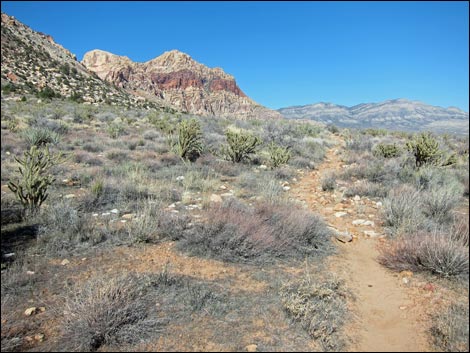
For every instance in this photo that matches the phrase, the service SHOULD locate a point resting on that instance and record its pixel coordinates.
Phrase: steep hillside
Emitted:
(32, 62)
(397, 114)
(177, 79)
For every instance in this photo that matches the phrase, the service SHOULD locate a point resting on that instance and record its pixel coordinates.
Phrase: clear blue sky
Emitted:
(284, 53)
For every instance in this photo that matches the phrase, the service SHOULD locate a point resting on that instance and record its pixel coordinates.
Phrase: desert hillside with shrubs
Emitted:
(140, 229)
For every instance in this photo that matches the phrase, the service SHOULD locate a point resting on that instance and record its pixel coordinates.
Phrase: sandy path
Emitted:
(386, 319)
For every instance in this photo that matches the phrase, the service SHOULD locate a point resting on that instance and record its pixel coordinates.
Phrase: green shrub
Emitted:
(278, 155)
(189, 143)
(240, 146)
(387, 151)
(425, 149)
(31, 189)
(328, 183)
(47, 93)
(115, 130)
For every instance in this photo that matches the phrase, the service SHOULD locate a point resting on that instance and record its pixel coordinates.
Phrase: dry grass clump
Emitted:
(320, 306)
(450, 329)
(109, 311)
(236, 232)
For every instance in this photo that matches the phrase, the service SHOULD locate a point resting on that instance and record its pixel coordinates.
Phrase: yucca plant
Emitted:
(31, 188)
(425, 149)
(278, 155)
(40, 137)
(189, 143)
(240, 145)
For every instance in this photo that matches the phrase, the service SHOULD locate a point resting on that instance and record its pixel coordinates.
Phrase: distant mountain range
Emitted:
(32, 62)
(396, 114)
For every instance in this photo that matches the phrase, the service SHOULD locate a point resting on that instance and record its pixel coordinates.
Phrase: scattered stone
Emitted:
(403, 307)
(340, 214)
(406, 274)
(11, 254)
(371, 233)
(429, 287)
(227, 194)
(65, 262)
(115, 211)
(28, 339)
(42, 309)
(39, 337)
(357, 222)
(405, 280)
(31, 311)
(223, 187)
(368, 223)
(69, 196)
(215, 198)
(95, 214)
(131, 215)
(251, 348)
(180, 178)
(172, 206)
(262, 166)
(378, 204)
(338, 207)
(344, 237)
(357, 198)
(123, 221)
(30, 273)
(175, 211)
(286, 188)
(105, 214)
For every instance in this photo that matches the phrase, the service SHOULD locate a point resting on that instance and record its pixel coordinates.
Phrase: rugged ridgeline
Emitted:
(175, 78)
(397, 114)
(33, 62)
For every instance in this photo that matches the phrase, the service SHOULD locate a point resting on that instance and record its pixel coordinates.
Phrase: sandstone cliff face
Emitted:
(177, 79)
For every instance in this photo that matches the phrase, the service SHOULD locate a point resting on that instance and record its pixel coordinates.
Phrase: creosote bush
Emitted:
(386, 150)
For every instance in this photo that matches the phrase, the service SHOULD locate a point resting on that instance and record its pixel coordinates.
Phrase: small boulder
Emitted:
(340, 214)
(65, 262)
(31, 311)
(344, 237)
(251, 348)
(215, 198)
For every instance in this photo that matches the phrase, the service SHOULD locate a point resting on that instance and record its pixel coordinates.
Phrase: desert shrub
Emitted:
(386, 150)
(109, 310)
(438, 202)
(366, 188)
(332, 128)
(117, 155)
(40, 137)
(92, 147)
(239, 233)
(359, 143)
(437, 252)
(328, 182)
(48, 93)
(401, 209)
(278, 155)
(425, 149)
(31, 188)
(115, 130)
(449, 328)
(240, 145)
(189, 142)
(64, 230)
(285, 173)
(320, 306)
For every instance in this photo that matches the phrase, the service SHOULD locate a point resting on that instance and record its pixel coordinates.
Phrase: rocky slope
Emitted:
(397, 114)
(177, 79)
(33, 61)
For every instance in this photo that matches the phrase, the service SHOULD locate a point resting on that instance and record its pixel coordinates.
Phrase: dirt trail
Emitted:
(387, 318)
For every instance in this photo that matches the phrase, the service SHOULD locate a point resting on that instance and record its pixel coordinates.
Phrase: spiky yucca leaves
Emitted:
(240, 145)
(40, 137)
(189, 144)
(31, 188)
(278, 155)
(425, 149)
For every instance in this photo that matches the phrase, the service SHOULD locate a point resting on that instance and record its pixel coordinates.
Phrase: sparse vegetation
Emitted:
(240, 145)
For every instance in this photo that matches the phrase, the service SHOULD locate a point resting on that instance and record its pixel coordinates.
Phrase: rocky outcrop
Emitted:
(177, 79)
